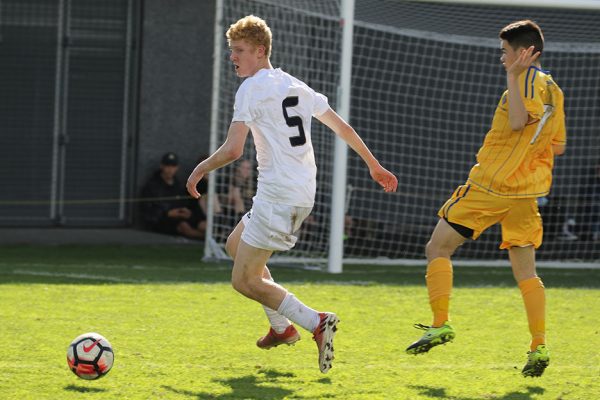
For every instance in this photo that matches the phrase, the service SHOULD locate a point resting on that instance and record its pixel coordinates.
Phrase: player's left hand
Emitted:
(385, 178)
(524, 61)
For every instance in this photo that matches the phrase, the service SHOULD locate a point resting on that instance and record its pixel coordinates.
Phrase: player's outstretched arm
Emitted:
(382, 176)
(230, 150)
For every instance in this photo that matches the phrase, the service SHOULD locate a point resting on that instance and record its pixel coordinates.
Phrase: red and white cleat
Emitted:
(323, 336)
(274, 339)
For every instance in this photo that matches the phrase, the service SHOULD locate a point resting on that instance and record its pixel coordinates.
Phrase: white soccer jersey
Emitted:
(278, 108)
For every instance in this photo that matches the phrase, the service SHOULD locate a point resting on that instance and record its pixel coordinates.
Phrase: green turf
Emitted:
(180, 332)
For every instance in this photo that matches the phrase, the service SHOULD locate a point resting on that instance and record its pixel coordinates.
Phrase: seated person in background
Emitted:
(241, 189)
(591, 204)
(170, 209)
(595, 187)
(203, 201)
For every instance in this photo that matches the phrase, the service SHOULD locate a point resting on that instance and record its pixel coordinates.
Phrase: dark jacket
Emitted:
(167, 197)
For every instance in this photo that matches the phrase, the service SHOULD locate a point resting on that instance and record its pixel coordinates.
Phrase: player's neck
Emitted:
(263, 65)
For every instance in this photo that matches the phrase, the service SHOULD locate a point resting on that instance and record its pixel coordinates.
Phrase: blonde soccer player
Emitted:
(514, 167)
(277, 108)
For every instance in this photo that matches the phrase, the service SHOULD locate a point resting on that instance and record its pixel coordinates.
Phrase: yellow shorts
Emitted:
(519, 217)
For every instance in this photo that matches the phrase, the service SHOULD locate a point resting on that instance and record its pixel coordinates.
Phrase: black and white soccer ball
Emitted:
(90, 356)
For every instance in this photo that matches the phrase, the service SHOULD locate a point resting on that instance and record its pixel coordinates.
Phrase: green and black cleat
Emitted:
(537, 361)
(432, 337)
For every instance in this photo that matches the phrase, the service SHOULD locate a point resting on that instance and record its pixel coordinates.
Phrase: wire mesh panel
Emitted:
(306, 44)
(94, 109)
(28, 43)
(426, 80)
(64, 80)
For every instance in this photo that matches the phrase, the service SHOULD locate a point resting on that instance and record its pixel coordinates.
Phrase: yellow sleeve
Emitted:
(532, 90)
(559, 131)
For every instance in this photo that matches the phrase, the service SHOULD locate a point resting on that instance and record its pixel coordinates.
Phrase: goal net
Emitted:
(426, 78)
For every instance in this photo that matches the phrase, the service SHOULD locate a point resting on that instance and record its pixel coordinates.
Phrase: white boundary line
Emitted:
(114, 279)
(566, 264)
(77, 276)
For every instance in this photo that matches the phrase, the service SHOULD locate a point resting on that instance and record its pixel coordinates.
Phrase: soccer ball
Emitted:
(90, 356)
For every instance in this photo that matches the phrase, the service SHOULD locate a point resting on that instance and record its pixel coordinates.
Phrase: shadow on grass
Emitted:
(440, 393)
(245, 387)
(170, 264)
(84, 389)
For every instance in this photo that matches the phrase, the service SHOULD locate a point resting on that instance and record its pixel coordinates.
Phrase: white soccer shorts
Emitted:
(271, 226)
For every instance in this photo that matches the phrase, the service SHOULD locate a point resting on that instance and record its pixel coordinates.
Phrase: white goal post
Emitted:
(419, 81)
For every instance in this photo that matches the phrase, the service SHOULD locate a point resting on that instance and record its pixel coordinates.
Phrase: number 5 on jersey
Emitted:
(294, 121)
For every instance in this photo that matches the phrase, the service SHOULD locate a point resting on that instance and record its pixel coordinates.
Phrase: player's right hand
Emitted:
(525, 59)
(192, 181)
(385, 178)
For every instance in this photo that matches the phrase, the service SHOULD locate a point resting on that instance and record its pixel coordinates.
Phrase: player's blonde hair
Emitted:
(254, 30)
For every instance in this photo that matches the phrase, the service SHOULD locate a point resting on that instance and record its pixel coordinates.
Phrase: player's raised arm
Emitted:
(517, 112)
(230, 150)
(382, 176)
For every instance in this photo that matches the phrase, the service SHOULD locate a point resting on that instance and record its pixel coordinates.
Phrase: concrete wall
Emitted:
(175, 83)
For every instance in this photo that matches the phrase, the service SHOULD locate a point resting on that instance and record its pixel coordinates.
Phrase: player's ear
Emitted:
(260, 50)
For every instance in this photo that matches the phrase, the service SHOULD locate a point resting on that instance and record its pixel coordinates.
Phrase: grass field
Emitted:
(180, 332)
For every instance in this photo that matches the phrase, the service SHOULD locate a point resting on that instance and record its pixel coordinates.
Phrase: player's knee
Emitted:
(250, 288)
(430, 249)
(267, 274)
(239, 284)
(435, 250)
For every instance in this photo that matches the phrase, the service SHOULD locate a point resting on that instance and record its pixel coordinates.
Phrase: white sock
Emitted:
(278, 322)
(299, 313)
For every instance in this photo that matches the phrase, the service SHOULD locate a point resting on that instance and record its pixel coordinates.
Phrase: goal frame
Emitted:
(336, 259)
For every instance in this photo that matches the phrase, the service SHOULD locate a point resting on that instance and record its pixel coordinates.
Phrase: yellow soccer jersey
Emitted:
(519, 163)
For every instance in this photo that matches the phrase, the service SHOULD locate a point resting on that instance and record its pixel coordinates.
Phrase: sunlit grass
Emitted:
(180, 332)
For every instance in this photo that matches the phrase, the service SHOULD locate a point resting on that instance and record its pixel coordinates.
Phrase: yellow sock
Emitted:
(439, 286)
(532, 290)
